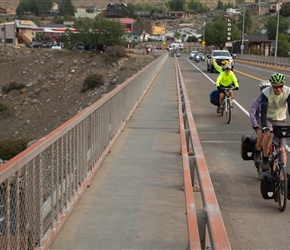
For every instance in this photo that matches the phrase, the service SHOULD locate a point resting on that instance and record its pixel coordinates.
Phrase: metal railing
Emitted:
(40, 186)
(207, 220)
(278, 61)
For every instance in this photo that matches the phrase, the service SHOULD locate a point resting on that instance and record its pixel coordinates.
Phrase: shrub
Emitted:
(12, 147)
(93, 81)
(12, 85)
(3, 107)
(113, 53)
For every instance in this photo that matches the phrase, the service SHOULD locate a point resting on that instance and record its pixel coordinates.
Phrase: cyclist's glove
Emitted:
(265, 129)
(256, 128)
(218, 87)
(236, 88)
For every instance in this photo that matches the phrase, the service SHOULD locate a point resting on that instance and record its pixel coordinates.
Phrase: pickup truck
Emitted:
(219, 56)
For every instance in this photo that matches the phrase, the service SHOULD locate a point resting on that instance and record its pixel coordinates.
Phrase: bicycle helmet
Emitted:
(265, 84)
(277, 78)
(225, 62)
(227, 66)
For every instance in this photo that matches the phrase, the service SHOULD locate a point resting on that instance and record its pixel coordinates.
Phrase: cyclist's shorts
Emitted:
(222, 91)
(270, 124)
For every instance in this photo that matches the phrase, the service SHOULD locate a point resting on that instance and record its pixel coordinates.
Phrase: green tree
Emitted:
(216, 31)
(283, 45)
(34, 6)
(176, 5)
(159, 10)
(220, 5)
(195, 6)
(66, 7)
(177, 35)
(129, 10)
(248, 22)
(285, 10)
(271, 26)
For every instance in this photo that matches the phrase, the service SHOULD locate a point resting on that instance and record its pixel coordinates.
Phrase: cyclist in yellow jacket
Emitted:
(226, 79)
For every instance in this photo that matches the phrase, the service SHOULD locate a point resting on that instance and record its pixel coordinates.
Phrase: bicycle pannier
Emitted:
(267, 186)
(248, 143)
(214, 97)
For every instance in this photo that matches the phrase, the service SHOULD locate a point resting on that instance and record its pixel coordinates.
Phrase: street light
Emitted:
(277, 31)
(242, 46)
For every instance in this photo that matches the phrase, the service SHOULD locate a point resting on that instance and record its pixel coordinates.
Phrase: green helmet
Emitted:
(277, 78)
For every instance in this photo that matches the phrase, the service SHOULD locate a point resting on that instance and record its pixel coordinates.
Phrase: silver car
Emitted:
(192, 54)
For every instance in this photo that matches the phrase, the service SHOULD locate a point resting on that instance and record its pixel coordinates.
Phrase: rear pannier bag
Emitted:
(248, 143)
(214, 97)
(267, 186)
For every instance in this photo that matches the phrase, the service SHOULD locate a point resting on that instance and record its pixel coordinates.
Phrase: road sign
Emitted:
(127, 20)
(229, 44)
(203, 43)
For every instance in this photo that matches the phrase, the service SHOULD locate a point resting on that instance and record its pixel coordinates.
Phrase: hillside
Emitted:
(53, 82)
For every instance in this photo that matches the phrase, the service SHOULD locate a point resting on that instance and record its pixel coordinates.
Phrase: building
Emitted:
(17, 33)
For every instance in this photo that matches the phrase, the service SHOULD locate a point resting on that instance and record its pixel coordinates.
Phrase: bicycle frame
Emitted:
(227, 104)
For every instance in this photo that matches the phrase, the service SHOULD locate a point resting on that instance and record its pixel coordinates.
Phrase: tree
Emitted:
(248, 22)
(220, 5)
(216, 31)
(34, 6)
(271, 26)
(176, 5)
(195, 6)
(66, 7)
(159, 10)
(285, 9)
(283, 45)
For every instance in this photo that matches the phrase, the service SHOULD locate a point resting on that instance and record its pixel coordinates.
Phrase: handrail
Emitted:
(40, 186)
(283, 62)
(190, 143)
(192, 223)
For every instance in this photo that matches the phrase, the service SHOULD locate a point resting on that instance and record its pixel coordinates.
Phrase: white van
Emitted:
(174, 46)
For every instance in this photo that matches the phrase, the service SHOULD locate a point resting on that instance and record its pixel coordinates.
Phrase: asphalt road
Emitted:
(251, 221)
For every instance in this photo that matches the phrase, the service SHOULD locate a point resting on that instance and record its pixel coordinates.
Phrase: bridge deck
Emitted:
(135, 199)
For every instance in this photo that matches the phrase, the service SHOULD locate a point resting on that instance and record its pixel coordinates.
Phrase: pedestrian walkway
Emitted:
(135, 199)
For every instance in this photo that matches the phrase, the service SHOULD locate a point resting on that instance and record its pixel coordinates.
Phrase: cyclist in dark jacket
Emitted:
(255, 117)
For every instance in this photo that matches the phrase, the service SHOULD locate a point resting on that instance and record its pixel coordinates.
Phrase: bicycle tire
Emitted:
(258, 166)
(228, 110)
(282, 188)
(223, 108)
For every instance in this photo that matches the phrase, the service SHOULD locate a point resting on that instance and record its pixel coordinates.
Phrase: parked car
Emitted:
(79, 46)
(35, 45)
(192, 54)
(219, 56)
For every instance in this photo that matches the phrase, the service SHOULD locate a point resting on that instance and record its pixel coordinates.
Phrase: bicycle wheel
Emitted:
(228, 110)
(223, 108)
(282, 187)
(258, 166)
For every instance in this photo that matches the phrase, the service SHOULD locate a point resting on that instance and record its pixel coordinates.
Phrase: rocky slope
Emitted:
(52, 82)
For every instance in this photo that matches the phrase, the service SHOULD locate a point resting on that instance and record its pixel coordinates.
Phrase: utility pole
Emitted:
(243, 32)
(5, 34)
(277, 31)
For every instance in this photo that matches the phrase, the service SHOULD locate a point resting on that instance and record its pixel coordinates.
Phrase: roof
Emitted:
(25, 24)
(256, 38)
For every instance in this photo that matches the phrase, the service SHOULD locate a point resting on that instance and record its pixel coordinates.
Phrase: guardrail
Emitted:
(271, 60)
(40, 186)
(207, 221)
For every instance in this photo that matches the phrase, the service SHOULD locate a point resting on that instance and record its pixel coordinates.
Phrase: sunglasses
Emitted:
(278, 87)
